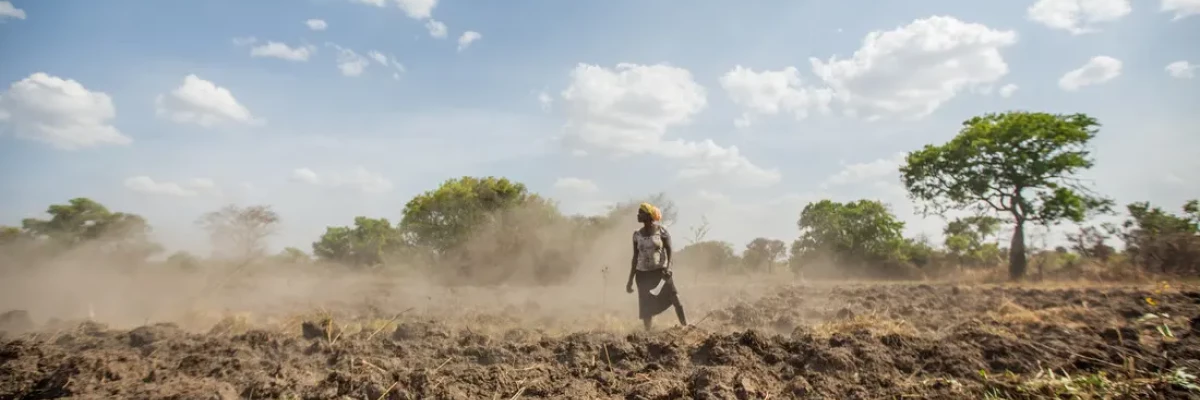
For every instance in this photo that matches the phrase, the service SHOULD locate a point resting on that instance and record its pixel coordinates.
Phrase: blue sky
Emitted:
(642, 94)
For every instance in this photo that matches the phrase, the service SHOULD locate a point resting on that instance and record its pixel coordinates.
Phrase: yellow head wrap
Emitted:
(651, 210)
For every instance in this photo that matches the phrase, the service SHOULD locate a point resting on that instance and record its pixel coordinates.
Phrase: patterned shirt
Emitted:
(651, 253)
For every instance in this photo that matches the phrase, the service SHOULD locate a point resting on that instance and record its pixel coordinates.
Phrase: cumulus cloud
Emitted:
(772, 92)
(7, 10)
(316, 24)
(628, 110)
(60, 112)
(467, 38)
(146, 185)
(1181, 70)
(203, 103)
(1077, 16)
(283, 51)
(1181, 8)
(436, 29)
(576, 184)
(1097, 70)
(914, 69)
(416, 9)
(358, 178)
(880, 169)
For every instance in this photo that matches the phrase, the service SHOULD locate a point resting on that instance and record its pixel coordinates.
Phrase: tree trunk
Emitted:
(1016, 253)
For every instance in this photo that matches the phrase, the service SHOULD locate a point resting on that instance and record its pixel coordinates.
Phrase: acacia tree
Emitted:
(84, 220)
(762, 254)
(1021, 165)
(444, 218)
(367, 243)
(853, 233)
(240, 232)
(706, 254)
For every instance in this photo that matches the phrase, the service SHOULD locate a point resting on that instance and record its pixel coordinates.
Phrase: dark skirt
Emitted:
(649, 304)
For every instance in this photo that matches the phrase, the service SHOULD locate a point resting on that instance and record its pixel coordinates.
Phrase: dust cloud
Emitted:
(541, 276)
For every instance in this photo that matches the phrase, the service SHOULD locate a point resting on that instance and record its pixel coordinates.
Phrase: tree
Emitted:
(367, 243)
(83, 220)
(965, 240)
(240, 233)
(708, 254)
(444, 218)
(852, 234)
(762, 254)
(292, 255)
(10, 234)
(1018, 164)
(1161, 241)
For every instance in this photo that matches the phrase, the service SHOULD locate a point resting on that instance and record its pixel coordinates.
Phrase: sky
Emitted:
(741, 112)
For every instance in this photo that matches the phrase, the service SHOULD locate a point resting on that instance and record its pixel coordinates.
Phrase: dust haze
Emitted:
(555, 282)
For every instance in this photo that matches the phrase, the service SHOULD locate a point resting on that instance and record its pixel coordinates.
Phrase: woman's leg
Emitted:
(670, 290)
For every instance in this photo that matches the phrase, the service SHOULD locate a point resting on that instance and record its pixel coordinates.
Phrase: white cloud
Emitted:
(146, 185)
(1182, 70)
(306, 175)
(316, 24)
(1008, 90)
(467, 38)
(1181, 8)
(914, 69)
(60, 112)
(436, 29)
(877, 170)
(545, 100)
(7, 10)
(772, 92)
(1098, 70)
(283, 51)
(417, 9)
(358, 178)
(576, 184)
(1077, 16)
(203, 103)
(628, 110)
(349, 62)
(387, 61)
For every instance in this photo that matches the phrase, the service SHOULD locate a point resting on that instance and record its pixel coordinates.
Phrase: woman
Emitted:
(651, 265)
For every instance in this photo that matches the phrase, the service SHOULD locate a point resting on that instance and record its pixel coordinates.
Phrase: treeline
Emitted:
(1008, 171)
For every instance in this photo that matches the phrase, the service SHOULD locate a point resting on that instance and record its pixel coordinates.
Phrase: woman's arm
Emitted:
(633, 263)
(666, 239)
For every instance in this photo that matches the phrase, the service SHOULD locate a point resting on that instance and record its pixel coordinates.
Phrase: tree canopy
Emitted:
(367, 243)
(443, 218)
(965, 240)
(761, 254)
(851, 233)
(240, 232)
(1163, 241)
(1021, 165)
(84, 220)
(706, 254)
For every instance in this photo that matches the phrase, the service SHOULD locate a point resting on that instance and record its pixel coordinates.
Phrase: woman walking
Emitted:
(651, 265)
